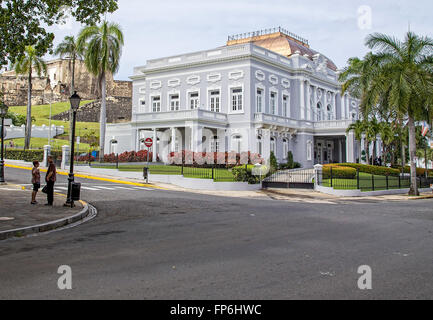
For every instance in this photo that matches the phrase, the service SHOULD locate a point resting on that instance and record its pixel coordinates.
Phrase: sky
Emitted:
(336, 28)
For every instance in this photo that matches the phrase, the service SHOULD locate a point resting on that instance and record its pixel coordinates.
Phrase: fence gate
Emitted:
(294, 179)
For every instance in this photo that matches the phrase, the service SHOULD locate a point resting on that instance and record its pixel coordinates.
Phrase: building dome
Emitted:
(279, 41)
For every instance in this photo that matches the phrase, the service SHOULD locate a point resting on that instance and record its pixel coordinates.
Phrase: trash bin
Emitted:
(75, 191)
(146, 173)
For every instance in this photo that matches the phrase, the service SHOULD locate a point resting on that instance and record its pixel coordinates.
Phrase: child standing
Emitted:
(36, 180)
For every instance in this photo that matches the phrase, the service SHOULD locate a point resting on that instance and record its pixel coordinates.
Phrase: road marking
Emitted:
(62, 188)
(124, 188)
(91, 189)
(92, 177)
(104, 188)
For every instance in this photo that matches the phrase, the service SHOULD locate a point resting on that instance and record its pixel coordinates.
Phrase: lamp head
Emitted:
(75, 101)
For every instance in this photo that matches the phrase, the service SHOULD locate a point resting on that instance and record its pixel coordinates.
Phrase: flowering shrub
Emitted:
(204, 159)
(129, 156)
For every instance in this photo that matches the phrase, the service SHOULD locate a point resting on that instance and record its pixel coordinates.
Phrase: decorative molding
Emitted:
(236, 75)
(260, 75)
(214, 77)
(142, 90)
(193, 80)
(155, 85)
(285, 83)
(173, 83)
(273, 79)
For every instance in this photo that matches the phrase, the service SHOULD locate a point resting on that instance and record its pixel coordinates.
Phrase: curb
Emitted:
(50, 226)
(92, 177)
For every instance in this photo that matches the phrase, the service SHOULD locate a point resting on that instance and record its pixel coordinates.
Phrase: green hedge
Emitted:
(338, 172)
(245, 174)
(28, 155)
(419, 171)
(380, 171)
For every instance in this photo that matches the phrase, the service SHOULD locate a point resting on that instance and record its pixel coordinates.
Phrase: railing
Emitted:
(182, 115)
(333, 124)
(370, 182)
(266, 32)
(303, 178)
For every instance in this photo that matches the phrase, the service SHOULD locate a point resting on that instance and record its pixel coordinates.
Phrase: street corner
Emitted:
(18, 217)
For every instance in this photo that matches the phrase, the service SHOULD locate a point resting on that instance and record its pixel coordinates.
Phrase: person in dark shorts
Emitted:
(36, 181)
(50, 179)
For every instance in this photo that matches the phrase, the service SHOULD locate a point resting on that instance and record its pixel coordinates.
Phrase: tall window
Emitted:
(259, 145)
(237, 96)
(273, 103)
(329, 111)
(274, 146)
(194, 100)
(310, 151)
(174, 102)
(285, 149)
(285, 106)
(156, 104)
(215, 101)
(319, 112)
(259, 100)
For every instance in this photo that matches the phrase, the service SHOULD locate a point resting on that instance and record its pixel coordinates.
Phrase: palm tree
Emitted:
(103, 51)
(387, 135)
(371, 132)
(405, 69)
(25, 65)
(358, 128)
(69, 49)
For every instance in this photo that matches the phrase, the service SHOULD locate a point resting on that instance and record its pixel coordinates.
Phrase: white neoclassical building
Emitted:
(263, 91)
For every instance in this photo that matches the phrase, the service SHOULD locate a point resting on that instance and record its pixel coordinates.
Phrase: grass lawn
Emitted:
(42, 114)
(199, 173)
(56, 144)
(43, 111)
(366, 183)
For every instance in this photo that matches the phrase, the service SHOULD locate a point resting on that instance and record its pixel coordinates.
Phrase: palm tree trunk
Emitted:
(29, 112)
(359, 151)
(412, 152)
(103, 118)
(367, 151)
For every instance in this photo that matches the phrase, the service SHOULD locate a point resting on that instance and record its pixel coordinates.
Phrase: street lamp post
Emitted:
(3, 112)
(75, 104)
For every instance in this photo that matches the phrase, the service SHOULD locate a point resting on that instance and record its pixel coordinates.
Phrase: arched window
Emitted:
(237, 143)
(319, 112)
(285, 149)
(259, 145)
(329, 112)
(274, 146)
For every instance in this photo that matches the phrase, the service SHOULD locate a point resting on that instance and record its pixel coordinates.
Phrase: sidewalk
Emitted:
(16, 212)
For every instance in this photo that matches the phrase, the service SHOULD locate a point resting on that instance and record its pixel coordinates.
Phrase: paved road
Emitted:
(152, 244)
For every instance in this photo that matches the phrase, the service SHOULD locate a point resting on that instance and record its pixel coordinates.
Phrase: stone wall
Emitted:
(59, 72)
(119, 110)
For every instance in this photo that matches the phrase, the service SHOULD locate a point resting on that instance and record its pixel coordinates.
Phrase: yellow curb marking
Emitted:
(93, 178)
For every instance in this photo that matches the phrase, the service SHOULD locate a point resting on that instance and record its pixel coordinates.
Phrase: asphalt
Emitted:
(159, 244)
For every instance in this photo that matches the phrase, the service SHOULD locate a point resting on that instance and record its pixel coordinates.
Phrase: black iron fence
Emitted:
(302, 179)
(371, 182)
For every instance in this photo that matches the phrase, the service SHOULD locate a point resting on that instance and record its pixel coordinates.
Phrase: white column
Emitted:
(47, 152)
(309, 91)
(155, 145)
(346, 103)
(343, 108)
(196, 138)
(302, 98)
(334, 104)
(173, 140)
(350, 150)
(266, 138)
(221, 133)
(65, 156)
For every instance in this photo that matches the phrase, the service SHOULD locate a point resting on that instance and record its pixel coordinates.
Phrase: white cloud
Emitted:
(161, 28)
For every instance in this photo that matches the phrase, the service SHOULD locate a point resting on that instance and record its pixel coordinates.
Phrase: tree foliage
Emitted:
(25, 22)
